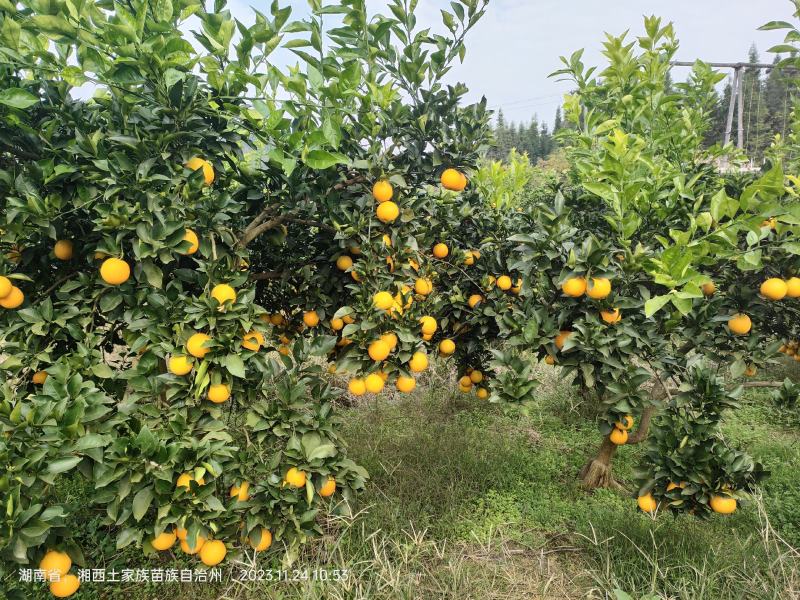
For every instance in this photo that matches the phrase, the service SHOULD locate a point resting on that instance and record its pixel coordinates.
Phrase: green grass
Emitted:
(468, 502)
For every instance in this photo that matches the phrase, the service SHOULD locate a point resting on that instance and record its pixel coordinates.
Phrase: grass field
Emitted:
(466, 502)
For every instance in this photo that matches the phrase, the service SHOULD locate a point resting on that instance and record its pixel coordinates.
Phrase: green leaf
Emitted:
(154, 275)
(141, 502)
(322, 159)
(235, 366)
(17, 98)
(162, 10)
(654, 304)
(63, 464)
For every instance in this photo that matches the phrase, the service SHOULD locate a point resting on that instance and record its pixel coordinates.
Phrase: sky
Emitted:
(517, 44)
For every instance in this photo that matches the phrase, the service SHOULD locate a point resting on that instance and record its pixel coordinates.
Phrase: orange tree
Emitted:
(624, 268)
(203, 207)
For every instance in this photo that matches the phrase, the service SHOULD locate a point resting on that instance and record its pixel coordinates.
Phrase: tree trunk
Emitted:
(597, 472)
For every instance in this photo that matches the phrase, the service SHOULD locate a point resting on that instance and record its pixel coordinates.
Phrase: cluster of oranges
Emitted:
(471, 378)
(791, 348)
(600, 289)
(619, 435)
(722, 504)
(56, 565)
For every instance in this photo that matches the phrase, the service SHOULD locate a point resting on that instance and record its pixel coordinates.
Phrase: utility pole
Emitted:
(729, 122)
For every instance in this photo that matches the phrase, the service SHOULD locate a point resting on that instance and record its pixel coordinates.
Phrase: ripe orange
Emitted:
(709, 288)
(382, 301)
(265, 541)
(194, 242)
(195, 345)
(600, 288)
(179, 365)
(5, 286)
(465, 382)
(284, 350)
(115, 271)
(198, 545)
(625, 423)
(423, 286)
(405, 384)
(447, 347)
(561, 338)
(418, 362)
(428, 325)
(672, 485)
(647, 503)
(390, 339)
(618, 437)
(379, 350)
(574, 287)
(792, 287)
(611, 316)
(464, 390)
(39, 377)
(483, 393)
(476, 376)
(723, 505)
(55, 562)
(740, 324)
(344, 262)
(276, 320)
(774, 289)
(13, 299)
(218, 393)
(63, 249)
(337, 324)
(374, 383)
(241, 492)
(469, 258)
(441, 250)
(253, 340)
(504, 282)
(382, 191)
(163, 541)
(200, 163)
(357, 387)
(295, 477)
(311, 318)
(66, 586)
(184, 480)
(223, 293)
(550, 359)
(453, 180)
(328, 488)
(213, 552)
(387, 212)
(474, 300)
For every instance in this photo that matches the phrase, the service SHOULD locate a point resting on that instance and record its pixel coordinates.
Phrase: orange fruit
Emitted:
(379, 350)
(453, 180)
(423, 286)
(276, 320)
(469, 258)
(5, 286)
(357, 387)
(625, 423)
(198, 545)
(723, 505)
(344, 262)
(618, 437)
(418, 362)
(55, 562)
(574, 287)
(39, 377)
(241, 492)
(223, 293)
(66, 586)
(311, 318)
(295, 477)
(709, 288)
(184, 480)
(792, 288)
(611, 316)
(213, 552)
(441, 250)
(483, 393)
(474, 300)
(476, 376)
(382, 191)
(561, 338)
(600, 288)
(13, 299)
(218, 393)
(195, 345)
(387, 212)
(550, 359)
(194, 242)
(647, 503)
(179, 365)
(447, 347)
(672, 485)
(428, 325)
(374, 383)
(337, 324)
(115, 271)
(465, 382)
(405, 384)
(253, 340)
(774, 289)
(163, 541)
(328, 488)
(390, 339)
(383, 301)
(199, 163)
(63, 249)
(740, 324)
(504, 282)
(264, 543)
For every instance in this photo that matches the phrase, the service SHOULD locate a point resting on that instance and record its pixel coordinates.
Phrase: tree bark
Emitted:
(597, 472)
